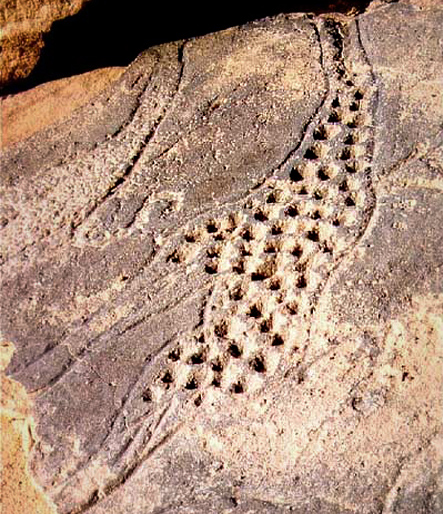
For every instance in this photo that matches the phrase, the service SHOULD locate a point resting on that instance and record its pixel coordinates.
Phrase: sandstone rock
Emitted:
(25, 113)
(18, 492)
(223, 276)
(22, 26)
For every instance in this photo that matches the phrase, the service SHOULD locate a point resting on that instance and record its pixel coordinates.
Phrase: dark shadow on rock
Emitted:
(112, 33)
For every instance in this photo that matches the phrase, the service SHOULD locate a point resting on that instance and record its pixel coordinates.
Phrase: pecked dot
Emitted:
(191, 384)
(254, 312)
(334, 117)
(345, 154)
(197, 358)
(265, 326)
(274, 285)
(313, 235)
(167, 378)
(211, 268)
(247, 235)
(291, 211)
(277, 340)
(217, 366)
(174, 355)
(211, 227)
(238, 388)
(295, 175)
(323, 175)
(297, 251)
(190, 238)
(343, 186)
(320, 133)
(312, 153)
(235, 351)
(301, 282)
(260, 216)
(258, 364)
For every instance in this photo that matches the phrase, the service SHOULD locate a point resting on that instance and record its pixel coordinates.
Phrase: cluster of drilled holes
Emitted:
(211, 227)
(167, 379)
(349, 139)
(174, 355)
(352, 124)
(191, 384)
(147, 396)
(351, 168)
(313, 235)
(343, 186)
(247, 235)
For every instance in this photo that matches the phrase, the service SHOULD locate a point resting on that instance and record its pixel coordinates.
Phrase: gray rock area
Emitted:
(223, 276)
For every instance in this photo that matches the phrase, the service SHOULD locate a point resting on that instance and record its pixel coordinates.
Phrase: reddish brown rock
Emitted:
(23, 24)
(25, 113)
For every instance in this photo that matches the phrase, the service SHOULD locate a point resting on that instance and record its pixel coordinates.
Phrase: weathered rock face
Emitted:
(22, 26)
(31, 111)
(223, 276)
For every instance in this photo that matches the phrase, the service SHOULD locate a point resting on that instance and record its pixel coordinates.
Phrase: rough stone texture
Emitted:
(23, 24)
(18, 491)
(26, 113)
(223, 277)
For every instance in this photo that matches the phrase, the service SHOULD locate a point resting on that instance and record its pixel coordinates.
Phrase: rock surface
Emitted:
(223, 277)
(18, 491)
(29, 112)
(23, 24)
